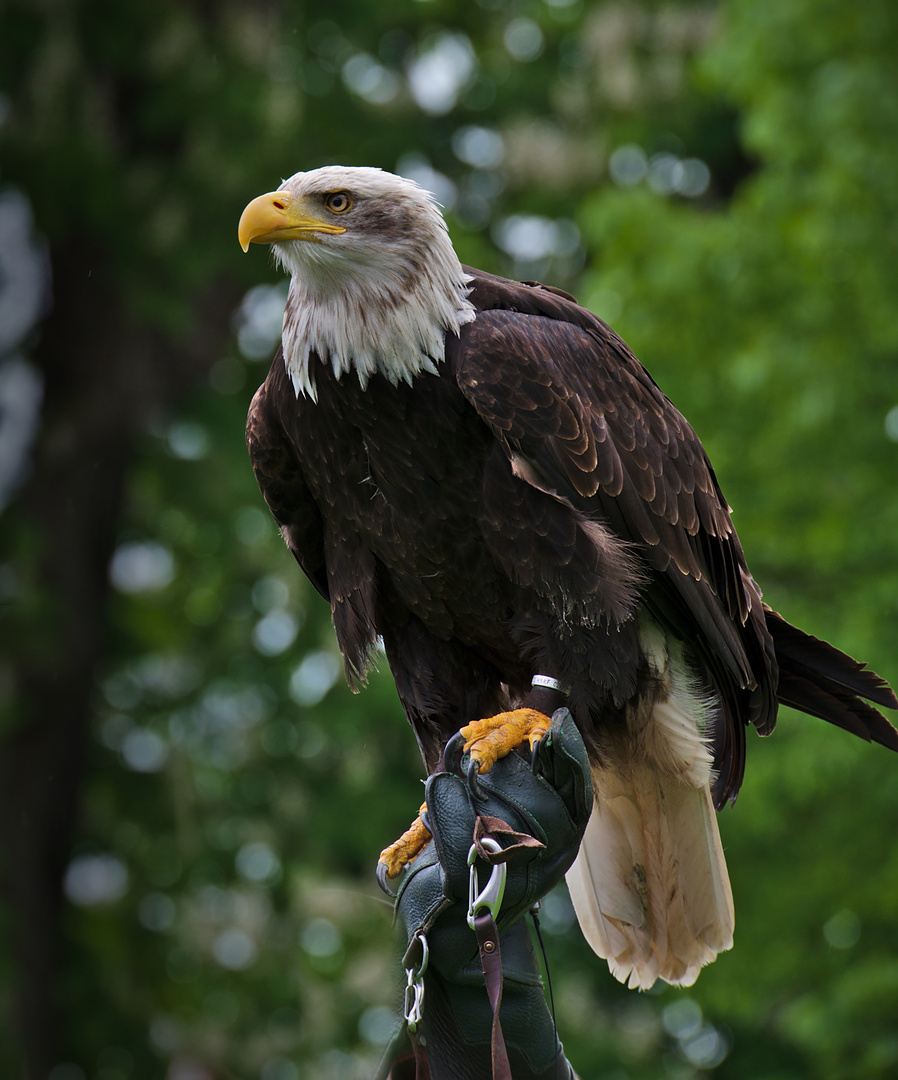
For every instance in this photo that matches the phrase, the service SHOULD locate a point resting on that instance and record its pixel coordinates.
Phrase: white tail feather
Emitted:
(650, 885)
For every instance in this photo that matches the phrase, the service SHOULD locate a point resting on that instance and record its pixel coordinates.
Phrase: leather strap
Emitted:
(491, 962)
(422, 1063)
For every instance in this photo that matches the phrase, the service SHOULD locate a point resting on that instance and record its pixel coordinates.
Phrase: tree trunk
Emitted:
(105, 375)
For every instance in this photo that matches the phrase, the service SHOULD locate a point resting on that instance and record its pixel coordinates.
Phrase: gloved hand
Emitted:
(529, 819)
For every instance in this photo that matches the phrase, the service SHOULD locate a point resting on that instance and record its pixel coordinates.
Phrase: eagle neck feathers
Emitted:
(389, 316)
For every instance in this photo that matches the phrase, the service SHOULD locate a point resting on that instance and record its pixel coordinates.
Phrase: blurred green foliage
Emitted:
(221, 917)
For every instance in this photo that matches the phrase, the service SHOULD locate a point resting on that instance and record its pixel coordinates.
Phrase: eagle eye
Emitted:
(338, 202)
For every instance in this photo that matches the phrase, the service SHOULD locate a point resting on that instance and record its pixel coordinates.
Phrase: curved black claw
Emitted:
(471, 775)
(540, 756)
(537, 757)
(382, 879)
(453, 761)
(452, 753)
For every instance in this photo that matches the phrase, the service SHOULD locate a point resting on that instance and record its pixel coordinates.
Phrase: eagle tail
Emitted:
(818, 679)
(650, 886)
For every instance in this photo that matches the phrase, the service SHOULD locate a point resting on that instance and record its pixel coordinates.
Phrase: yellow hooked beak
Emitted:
(279, 216)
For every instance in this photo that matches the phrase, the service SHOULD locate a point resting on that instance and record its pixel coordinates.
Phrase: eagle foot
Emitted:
(488, 740)
(400, 853)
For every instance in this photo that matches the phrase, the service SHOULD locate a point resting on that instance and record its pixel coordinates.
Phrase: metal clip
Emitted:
(413, 1006)
(490, 897)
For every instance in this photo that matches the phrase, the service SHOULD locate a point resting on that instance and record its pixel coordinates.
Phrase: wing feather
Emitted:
(581, 408)
(281, 480)
(572, 406)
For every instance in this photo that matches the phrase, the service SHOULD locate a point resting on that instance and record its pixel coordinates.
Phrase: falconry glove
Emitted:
(519, 826)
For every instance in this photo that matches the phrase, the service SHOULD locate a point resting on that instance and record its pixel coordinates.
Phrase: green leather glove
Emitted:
(529, 819)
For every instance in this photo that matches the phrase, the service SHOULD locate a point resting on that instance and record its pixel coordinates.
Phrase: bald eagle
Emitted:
(479, 474)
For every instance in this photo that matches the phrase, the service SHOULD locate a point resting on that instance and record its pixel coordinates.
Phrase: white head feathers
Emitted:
(377, 297)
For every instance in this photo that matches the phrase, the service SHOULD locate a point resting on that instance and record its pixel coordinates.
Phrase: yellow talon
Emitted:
(404, 850)
(487, 740)
(493, 738)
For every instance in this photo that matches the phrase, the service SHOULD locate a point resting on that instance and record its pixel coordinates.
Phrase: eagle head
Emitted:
(375, 282)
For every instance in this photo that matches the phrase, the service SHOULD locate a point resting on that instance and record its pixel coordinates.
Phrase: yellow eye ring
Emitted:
(338, 202)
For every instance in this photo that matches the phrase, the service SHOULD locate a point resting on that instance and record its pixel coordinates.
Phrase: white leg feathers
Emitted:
(650, 885)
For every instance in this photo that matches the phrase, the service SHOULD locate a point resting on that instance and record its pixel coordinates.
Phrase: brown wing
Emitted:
(654, 485)
(281, 481)
(579, 416)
